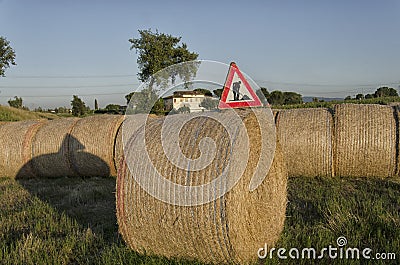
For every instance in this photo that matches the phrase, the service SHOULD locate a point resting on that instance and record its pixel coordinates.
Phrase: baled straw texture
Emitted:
(131, 124)
(15, 152)
(397, 117)
(365, 140)
(50, 149)
(97, 134)
(229, 229)
(306, 137)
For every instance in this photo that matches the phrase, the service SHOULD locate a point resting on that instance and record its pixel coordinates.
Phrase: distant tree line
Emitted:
(143, 99)
(379, 93)
(278, 97)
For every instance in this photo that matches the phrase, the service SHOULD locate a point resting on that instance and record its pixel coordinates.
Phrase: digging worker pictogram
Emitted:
(236, 88)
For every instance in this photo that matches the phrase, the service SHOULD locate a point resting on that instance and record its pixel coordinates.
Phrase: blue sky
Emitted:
(322, 48)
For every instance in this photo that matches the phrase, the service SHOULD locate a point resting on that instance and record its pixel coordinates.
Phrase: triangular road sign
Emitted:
(237, 91)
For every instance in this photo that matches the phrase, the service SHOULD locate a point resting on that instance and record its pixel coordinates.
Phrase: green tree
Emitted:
(129, 97)
(158, 107)
(367, 96)
(145, 101)
(96, 105)
(78, 106)
(7, 55)
(263, 95)
(315, 99)
(386, 92)
(218, 92)
(209, 103)
(292, 98)
(359, 96)
(16, 102)
(113, 107)
(347, 98)
(265, 92)
(204, 91)
(157, 51)
(276, 98)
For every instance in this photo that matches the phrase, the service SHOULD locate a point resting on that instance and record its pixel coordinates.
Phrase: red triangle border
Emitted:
(233, 68)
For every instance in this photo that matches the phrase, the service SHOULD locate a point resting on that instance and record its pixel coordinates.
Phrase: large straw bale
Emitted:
(15, 152)
(97, 134)
(50, 149)
(230, 228)
(306, 136)
(365, 138)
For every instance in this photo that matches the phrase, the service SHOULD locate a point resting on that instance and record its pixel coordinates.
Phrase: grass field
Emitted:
(13, 114)
(72, 221)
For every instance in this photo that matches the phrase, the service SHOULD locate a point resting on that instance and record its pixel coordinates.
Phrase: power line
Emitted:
(65, 76)
(71, 86)
(82, 95)
(131, 75)
(326, 85)
(258, 81)
(359, 87)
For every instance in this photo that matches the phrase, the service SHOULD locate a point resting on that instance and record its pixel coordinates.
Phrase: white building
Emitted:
(190, 99)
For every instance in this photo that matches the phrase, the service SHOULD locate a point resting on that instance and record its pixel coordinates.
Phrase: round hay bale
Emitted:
(230, 228)
(15, 152)
(97, 135)
(365, 140)
(306, 136)
(131, 123)
(50, 155)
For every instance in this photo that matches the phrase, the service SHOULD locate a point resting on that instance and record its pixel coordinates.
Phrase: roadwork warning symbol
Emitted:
(237, 91)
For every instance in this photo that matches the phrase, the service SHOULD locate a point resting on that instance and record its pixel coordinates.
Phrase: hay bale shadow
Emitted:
(90, 201)
(64, 163)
